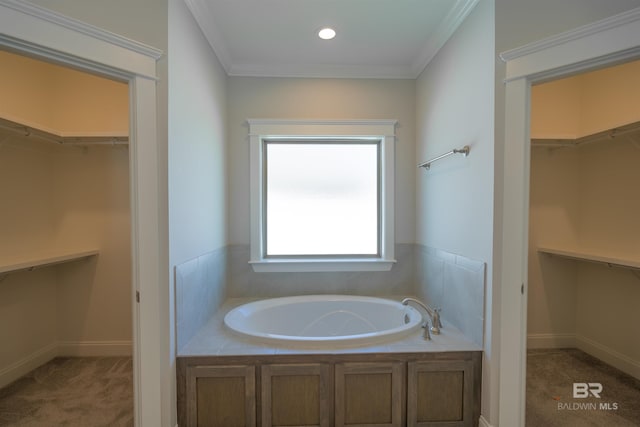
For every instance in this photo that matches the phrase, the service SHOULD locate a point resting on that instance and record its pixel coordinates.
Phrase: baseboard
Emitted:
(551, 341)
(95, 348)
(63, 348)
(27, 364)
(608, 355)
(483, 422)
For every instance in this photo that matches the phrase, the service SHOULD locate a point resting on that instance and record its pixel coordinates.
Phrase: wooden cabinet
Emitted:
(354, 390)
(441, 393)
(369, 394)
(221, 396)
(296, 395)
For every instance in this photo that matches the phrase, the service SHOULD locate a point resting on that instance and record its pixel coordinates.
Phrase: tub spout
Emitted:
(434, 316)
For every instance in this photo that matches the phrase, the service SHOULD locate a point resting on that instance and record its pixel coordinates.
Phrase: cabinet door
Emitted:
(369, 394)
(296, 395)
(440, 393)
(221, 396)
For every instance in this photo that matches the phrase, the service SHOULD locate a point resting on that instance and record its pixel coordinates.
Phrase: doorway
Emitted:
(40, 33)
(584, 264)
(586, 48)
(65, 254)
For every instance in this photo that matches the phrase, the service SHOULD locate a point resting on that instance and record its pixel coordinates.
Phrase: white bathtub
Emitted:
(319, 321)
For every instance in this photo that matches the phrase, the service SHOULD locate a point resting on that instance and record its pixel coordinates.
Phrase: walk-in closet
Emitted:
(65, 246)
(584, 248)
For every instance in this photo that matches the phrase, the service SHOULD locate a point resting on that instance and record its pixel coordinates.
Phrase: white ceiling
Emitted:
(375, 38)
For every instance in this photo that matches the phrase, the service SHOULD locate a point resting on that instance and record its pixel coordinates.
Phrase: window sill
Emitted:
(318, 265)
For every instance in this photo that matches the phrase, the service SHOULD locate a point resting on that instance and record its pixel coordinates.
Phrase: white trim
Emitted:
(62, 348)
(82, 27)
(307, 266)
(571, 35)
(27, 364)
(322, 71)
(447, 27)
(609, 355)
(203, 16)
(482, 422)
(603, 43)
(72, 42)
(322, 122)
(608, 41)
(38, 32)
(383, 130)
(551, 341)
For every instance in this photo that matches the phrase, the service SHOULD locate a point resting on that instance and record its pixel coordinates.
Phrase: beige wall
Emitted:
(91, 210)
(584, 199)
(554, 217)
(61, 100)
(291, 98)
(587, 103)
(64, 198)
(28, 306)
(58, 199)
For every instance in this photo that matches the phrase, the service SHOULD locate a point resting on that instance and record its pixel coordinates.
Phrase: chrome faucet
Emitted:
(434, 315)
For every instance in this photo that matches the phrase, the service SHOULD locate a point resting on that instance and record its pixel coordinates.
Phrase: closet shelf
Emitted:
(592, 257)
(47, 135)
(33, 262)
(631, 130)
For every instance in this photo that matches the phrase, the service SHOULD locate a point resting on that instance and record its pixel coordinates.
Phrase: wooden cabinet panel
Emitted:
(296, 395)
(221, 396)
(440, 393)
(326, 390)
(369, 394)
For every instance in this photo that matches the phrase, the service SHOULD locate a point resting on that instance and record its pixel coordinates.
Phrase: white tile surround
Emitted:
(205, 286)
(215, 339)
(455, 284)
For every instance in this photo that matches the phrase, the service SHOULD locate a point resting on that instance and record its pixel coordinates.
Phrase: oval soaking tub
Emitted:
(324, 320)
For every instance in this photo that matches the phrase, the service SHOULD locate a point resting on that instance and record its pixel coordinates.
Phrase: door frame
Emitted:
(38, 32)
(603, 43)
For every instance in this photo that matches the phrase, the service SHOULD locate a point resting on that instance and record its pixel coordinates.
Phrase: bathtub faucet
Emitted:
(434, 315)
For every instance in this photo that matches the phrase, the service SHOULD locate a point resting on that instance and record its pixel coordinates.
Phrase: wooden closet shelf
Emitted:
(31, 263)
(593, 257)
(27, 130)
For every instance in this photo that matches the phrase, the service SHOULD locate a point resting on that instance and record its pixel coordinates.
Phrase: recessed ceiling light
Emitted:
(326, 33)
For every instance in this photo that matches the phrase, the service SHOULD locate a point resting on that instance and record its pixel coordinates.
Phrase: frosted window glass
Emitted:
(321, 198)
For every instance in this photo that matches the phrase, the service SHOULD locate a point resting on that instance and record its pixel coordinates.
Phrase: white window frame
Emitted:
(261, 130)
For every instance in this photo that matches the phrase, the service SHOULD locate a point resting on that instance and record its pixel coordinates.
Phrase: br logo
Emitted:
(584, 390)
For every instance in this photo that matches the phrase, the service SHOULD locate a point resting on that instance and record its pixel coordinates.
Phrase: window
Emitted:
(321, 195)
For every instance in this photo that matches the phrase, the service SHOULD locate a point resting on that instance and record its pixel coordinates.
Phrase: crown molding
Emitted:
(321, 71)
(323, 122)
(447, 27)
(571, 35)
(82, 27)
(606, 42)
(204, 17)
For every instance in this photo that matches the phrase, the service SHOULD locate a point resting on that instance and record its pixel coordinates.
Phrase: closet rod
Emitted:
(464, 150)
(28, 132)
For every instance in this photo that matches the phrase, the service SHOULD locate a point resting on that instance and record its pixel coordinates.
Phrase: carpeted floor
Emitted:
(76, 391)
(550, 402)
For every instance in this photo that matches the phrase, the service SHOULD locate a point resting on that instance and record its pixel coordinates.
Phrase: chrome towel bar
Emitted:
(464, 150)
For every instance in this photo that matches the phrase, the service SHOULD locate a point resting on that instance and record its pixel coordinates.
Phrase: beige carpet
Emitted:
(550, 402)
(83, 392)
